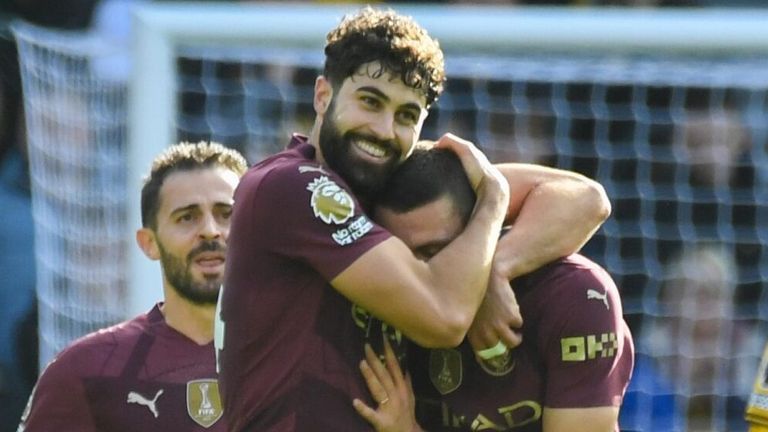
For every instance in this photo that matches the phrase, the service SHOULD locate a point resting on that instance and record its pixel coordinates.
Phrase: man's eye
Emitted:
(370, 101)
(226, 214)
(408, 117)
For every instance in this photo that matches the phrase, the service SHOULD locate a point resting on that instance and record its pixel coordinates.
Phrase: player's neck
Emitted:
(314, 141)
(191, 320)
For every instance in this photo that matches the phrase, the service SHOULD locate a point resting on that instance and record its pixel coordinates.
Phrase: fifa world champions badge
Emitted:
(757, 407)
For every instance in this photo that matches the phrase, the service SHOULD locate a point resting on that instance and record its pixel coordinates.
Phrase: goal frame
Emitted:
(161, 28)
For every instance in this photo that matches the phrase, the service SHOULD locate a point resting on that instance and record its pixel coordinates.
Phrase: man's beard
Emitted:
(178, 274)
(365, 179)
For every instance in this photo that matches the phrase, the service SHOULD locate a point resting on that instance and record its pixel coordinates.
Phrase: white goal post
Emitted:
(160, 28)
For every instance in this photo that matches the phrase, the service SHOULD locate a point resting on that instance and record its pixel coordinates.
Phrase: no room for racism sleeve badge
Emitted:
(204, 401)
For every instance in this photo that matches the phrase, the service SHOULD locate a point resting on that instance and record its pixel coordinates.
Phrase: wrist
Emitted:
(493, 197)
(507, 264)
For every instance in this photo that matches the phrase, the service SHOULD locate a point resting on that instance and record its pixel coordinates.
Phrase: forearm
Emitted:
(556, 218)
(432, 302)
(462, 268)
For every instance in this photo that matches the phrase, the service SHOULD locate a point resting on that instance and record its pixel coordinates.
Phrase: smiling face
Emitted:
(368, 126)
(192, 227)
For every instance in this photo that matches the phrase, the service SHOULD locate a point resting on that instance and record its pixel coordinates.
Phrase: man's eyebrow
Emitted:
(381, 95)
(374, 90)
(183, 209)
(194, 206)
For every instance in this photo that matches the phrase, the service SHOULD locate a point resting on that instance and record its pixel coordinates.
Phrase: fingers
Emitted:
(382, 372)
(515, 320)
(488, 336)
(368, 413)
(498, 318)
(391, 389)
(509, 337)
(393, 366)
(489, 339)
(474, 161)
(378, 379)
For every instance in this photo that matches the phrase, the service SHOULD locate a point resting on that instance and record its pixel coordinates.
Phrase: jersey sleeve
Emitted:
(586, 345)
(58, 401)
(312, 217)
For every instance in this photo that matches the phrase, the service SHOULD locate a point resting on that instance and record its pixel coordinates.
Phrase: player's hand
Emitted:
(477, 166)
(396, 411)
(498, 319)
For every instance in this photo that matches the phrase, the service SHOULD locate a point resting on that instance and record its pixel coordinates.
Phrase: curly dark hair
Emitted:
(184, 156)
(397, 42)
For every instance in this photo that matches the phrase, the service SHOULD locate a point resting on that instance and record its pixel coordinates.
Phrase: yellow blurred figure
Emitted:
(757, 408)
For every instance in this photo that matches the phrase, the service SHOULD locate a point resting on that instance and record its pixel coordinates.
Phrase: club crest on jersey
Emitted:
(204, 401)
(330, 202)
(499, 365)
(445, 369)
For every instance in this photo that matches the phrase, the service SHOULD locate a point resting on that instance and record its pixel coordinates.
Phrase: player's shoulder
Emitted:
(95, 348)
(574, 286)
(293, 169)
(563, 275)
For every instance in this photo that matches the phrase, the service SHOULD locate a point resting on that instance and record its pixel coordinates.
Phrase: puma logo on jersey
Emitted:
(595, 295)
(136, 398)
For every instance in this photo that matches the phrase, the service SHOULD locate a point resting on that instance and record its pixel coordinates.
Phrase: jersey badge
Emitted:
(590, 347)
(204, 401)
(352, 231)
(445, 369)
(330, 202)
(596, 295)
(499, 365)
(151, 404)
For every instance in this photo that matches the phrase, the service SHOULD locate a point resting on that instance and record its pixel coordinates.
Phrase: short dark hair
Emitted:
(397, 42)
(427, 175)
(184, 157)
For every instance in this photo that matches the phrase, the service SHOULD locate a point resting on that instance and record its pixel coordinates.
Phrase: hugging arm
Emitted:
(552, 213)
(434, 302)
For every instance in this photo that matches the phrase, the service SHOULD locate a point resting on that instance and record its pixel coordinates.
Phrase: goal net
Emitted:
(76, 137)
(667, 109)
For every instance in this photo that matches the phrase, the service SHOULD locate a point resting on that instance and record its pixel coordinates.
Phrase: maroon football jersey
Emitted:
(140, 375)
(577, 352)
(292, 343)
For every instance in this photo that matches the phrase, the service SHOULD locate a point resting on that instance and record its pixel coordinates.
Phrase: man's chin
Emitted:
(207, 299)
(205, 295)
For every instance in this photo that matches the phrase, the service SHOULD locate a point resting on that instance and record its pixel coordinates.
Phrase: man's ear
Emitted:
(146, 240)
(323, 95)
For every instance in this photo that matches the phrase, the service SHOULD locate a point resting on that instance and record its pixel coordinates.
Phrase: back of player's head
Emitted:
(397, 42)
(184, 157)
(426, 176)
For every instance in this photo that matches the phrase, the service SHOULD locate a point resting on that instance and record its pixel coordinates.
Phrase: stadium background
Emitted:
(677, 139)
